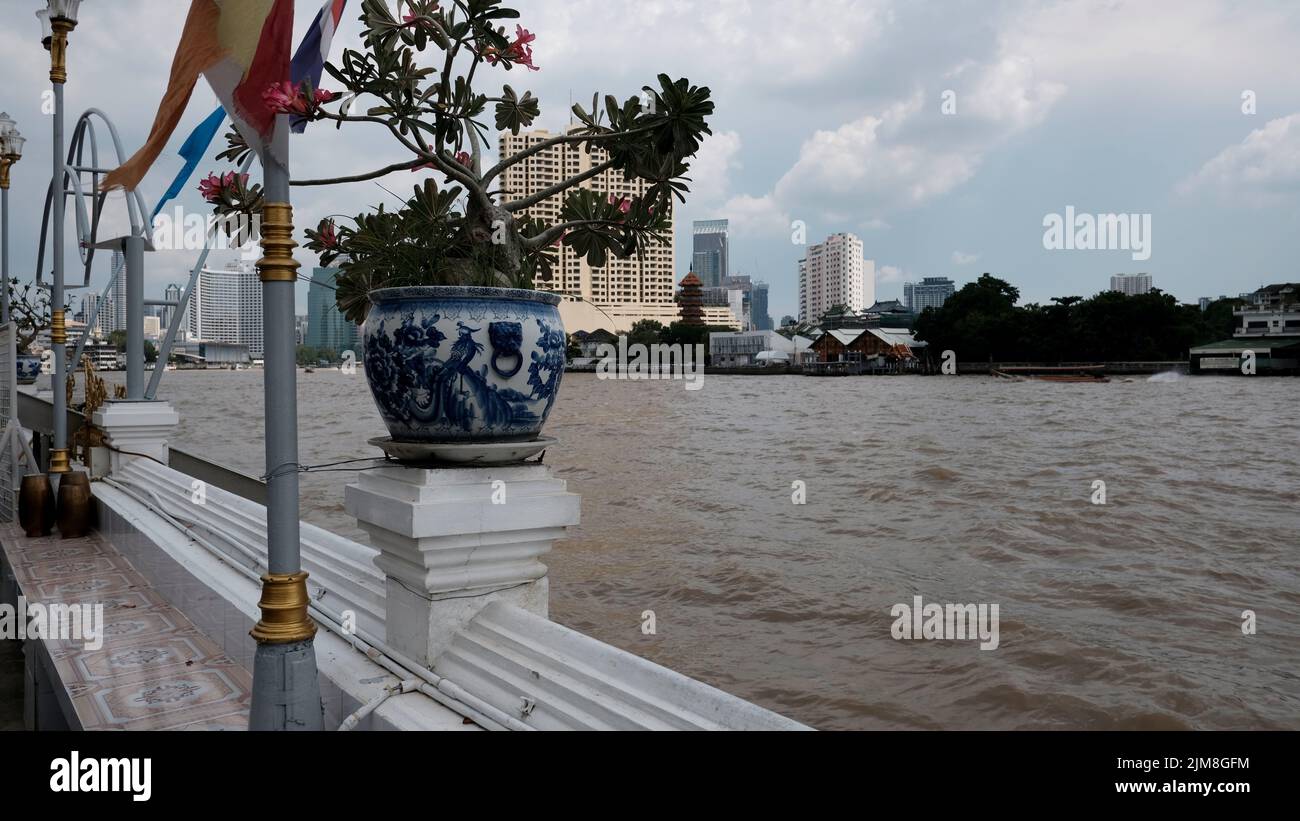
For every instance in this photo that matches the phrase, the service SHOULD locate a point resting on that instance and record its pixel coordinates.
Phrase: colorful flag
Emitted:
(193, 150)
(308, 64)
(309, 60)
(242, 48)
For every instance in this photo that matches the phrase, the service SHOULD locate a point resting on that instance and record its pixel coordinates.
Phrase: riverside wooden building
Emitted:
(862, 344)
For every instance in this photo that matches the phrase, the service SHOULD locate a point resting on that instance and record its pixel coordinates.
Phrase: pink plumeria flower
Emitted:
(280, 96)
(328, 237)
(518, 52)
(210, 188)
(624, 204)
(464, 158)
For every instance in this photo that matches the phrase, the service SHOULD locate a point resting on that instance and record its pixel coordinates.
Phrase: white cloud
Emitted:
(757, 216)
(711, 167)
(890, 273)
(910, 153)
(962, 258)
(1262, 168)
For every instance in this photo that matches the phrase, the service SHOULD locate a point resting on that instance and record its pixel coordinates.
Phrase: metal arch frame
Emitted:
(73, 168)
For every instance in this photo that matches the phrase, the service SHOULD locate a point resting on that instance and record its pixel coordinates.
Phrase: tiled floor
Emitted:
(155, 670)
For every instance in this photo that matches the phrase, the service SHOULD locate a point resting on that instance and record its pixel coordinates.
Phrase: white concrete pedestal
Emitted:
(453, 540)
(139, 427)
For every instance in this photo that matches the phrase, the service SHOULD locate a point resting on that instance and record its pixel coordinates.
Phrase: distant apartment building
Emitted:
(759, 317)
(835, 273)
(98, 307)
(732, 299)
(709, 252)
(327, 328)
(1131, 284)
(625, 289)
(745, 284)
(930, 292)
(117, 297)
(172, 293)
(226, 307)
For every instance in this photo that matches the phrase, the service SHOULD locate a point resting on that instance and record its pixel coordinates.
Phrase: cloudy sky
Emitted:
(832, 113)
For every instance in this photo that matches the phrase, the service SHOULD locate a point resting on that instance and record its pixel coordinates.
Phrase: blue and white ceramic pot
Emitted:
(29, 367)
(461, 364)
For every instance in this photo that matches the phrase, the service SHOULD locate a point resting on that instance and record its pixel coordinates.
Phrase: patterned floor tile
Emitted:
(155, 670)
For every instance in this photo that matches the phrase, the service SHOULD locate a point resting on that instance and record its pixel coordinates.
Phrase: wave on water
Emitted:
(1167, 376)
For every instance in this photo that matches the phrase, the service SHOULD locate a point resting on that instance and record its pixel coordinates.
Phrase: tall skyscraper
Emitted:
(709, 252)
(172, 293)
(834, 273)
(645, 282)
(758, 310)
(89, 303)
(117, 302)
(930, 292)
(326, 327)
(1131, 284)
(227, 307)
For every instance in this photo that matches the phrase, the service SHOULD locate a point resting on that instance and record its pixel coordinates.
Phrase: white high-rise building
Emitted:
(117, 300)
(930, 292)
(634, 285)
(226, 306)
(1131, 284)
(835, 273)
(102, 318)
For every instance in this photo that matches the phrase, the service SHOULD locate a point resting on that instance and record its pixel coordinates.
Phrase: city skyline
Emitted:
(931, 194)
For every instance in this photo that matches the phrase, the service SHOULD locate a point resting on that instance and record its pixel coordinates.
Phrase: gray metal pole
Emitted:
(4, 255)
(134, 252)
(58, 329)
(286, 689)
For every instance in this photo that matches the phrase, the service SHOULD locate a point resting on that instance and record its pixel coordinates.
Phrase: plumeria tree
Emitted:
(29, 308)
(418, 78)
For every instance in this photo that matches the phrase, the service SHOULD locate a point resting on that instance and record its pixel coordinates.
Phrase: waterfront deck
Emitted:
(155, 669)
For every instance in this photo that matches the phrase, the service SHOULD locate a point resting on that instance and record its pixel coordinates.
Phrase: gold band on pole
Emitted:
(58, 330)
(284, 610)
(277, 263)
(59, 49)
(59, 461)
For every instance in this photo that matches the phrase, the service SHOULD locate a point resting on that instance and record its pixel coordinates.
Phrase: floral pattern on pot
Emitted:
(29, 367)
(462, 364)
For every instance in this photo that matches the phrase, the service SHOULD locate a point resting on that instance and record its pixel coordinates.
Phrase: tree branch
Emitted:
(506, 162)
(401, 166)
(547, 193)
(550, 235)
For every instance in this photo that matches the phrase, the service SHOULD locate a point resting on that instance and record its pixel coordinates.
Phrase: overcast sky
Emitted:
(830, 112)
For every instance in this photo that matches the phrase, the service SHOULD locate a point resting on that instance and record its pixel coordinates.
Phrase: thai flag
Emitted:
(309, 61)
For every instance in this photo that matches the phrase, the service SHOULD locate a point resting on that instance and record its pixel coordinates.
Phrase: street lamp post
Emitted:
(11, 151)
(286, 689)
(57, 20)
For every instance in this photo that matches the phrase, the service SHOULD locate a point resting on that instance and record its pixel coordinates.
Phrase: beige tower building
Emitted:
(835, 273)
(619, 293)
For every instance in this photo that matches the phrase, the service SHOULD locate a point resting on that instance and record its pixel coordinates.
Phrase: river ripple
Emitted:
(958, 489)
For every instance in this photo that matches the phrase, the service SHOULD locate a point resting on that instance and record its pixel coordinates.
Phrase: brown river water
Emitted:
(962, 490)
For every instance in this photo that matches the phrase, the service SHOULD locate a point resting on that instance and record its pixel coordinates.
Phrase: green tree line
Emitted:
(982, 321)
